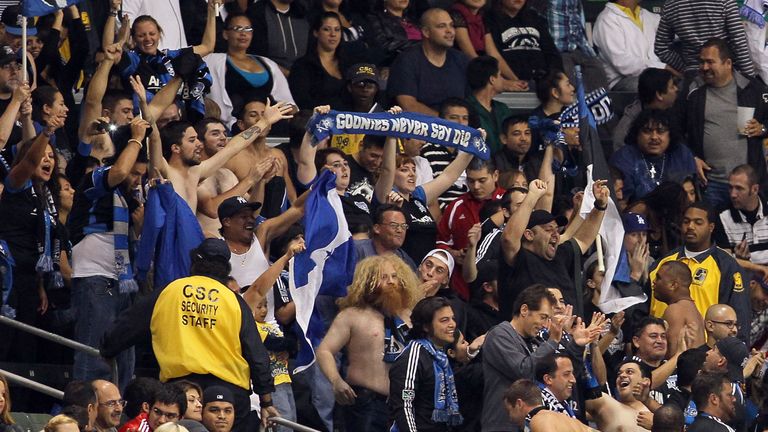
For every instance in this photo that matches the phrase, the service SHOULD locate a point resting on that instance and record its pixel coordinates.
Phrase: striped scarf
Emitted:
(445, 398)
(123, 267)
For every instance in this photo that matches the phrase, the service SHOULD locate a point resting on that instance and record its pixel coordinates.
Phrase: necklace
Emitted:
(652, 169)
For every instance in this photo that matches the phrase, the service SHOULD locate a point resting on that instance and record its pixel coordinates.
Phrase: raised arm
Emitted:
(469, 269)
(588, 230)
(513, 231)
(441, 183)
(108, 37)
(306, 170)
(25, 168)
(127, 158)
(209, 36)
(263, 284)
(20, 95)
(91, 108)
(274, 227)
(546, 174)
(208, 203)
(387, 172)
(272, 114)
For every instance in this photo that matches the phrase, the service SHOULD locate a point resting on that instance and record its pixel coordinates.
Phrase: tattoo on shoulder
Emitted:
(248, 133)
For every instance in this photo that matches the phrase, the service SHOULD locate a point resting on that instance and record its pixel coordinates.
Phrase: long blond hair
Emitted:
(5, 415)
(368, 276)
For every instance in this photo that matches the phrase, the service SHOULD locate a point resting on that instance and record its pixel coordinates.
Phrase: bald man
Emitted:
(719, 323)
(672, 286)
(425, 75)
(110, 406)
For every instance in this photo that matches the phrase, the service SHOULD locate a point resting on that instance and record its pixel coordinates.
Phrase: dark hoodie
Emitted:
(282, 37)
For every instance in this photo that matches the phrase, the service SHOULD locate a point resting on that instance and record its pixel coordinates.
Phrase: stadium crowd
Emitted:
(504, 271)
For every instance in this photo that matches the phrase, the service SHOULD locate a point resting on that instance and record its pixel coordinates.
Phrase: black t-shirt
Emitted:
(704, 423)
(529, 269)
(422, 229)
(357, 212)
(361, 181)
(20, 225)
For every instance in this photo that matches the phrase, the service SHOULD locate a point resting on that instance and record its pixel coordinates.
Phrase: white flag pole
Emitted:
(24, 49)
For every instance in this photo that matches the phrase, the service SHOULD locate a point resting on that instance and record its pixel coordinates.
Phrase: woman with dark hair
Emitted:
(663, 208)
(470, 29)
(239, 77)
(194, 395)
(351, 31)
(422, 376)
(48, 103)
(317, 78)
(390, 31)
(653, 154)
(29, 225)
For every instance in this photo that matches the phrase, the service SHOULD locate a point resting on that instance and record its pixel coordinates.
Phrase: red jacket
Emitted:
(452, 230)
(137, 424)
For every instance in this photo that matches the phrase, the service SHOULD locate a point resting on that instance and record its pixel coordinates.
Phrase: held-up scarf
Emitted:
(445, 398)
(405, 125)
(123, 267)
(395, 332)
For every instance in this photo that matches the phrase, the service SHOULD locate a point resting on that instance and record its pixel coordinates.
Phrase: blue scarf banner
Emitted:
(405, 125)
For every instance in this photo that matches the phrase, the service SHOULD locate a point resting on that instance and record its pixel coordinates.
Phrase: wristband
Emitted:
(470, 355)
(114, 13)
(48, 134)
(265, 404)
(601, 208)
(136, 141)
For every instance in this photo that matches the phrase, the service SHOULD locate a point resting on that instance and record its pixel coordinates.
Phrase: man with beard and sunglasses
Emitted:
(373, 320)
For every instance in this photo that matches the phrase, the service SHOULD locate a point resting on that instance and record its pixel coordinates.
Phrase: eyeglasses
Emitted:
(364, 84)
(241, 29)
(659, 130)
(395, 226)
(114, 403)
(168, 415)
(729, 324)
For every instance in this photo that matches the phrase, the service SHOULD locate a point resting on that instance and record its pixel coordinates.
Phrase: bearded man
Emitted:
(371, 325)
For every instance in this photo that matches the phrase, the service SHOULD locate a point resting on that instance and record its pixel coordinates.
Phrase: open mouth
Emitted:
(249, 227)
(47, 169)
(624, 383)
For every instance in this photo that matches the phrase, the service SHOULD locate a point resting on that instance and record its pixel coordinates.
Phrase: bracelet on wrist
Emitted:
(470, 355)
(266, 404)
(136, 141)
(48, 133)
(601, 208)
(114, 13)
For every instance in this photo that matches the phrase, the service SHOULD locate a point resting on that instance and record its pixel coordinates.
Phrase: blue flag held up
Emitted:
(405, 125)
(325, 268)
(36, 8)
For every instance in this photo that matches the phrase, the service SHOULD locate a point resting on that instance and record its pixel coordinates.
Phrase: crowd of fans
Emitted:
(143, 212)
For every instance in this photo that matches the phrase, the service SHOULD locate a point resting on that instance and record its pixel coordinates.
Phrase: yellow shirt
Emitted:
(195, 326)
(348, 143)
(634, 15)
(278, 361)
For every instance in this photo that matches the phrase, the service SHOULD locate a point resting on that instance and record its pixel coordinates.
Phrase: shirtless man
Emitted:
(526, 410)
(253, 113)
(628, 412)
(672, 286)
(224, 184)
(178, 158)
(371, 327)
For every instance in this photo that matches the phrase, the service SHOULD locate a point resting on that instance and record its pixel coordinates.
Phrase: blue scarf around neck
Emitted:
(445, 398)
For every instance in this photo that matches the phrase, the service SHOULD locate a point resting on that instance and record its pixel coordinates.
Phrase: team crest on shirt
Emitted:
(363, 206)
(700, 275)
(738, 284)
(408, 395)
(420, 206)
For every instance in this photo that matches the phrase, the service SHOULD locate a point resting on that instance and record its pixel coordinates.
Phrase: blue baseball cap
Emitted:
(634, 222)
(11, 18)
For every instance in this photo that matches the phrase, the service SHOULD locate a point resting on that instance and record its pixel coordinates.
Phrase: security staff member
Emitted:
(203, 332)
(716, 274)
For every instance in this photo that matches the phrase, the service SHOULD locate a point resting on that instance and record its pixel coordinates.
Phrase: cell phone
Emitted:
(103, 126)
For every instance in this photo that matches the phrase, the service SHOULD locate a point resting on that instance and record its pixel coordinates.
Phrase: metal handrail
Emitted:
(69, 343)
(34, 385)
(295, 426)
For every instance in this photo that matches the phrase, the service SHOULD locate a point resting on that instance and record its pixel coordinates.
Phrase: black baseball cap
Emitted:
(217, 394)
(543, 217)
(362, 72)
(7, 55)
(11, 19)
(212, 248)
(232, 205)
(736, 353)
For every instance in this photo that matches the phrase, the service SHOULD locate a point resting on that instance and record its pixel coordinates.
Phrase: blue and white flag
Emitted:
(404, 125)
(612, 233)
(37, 8)
(326, 267)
